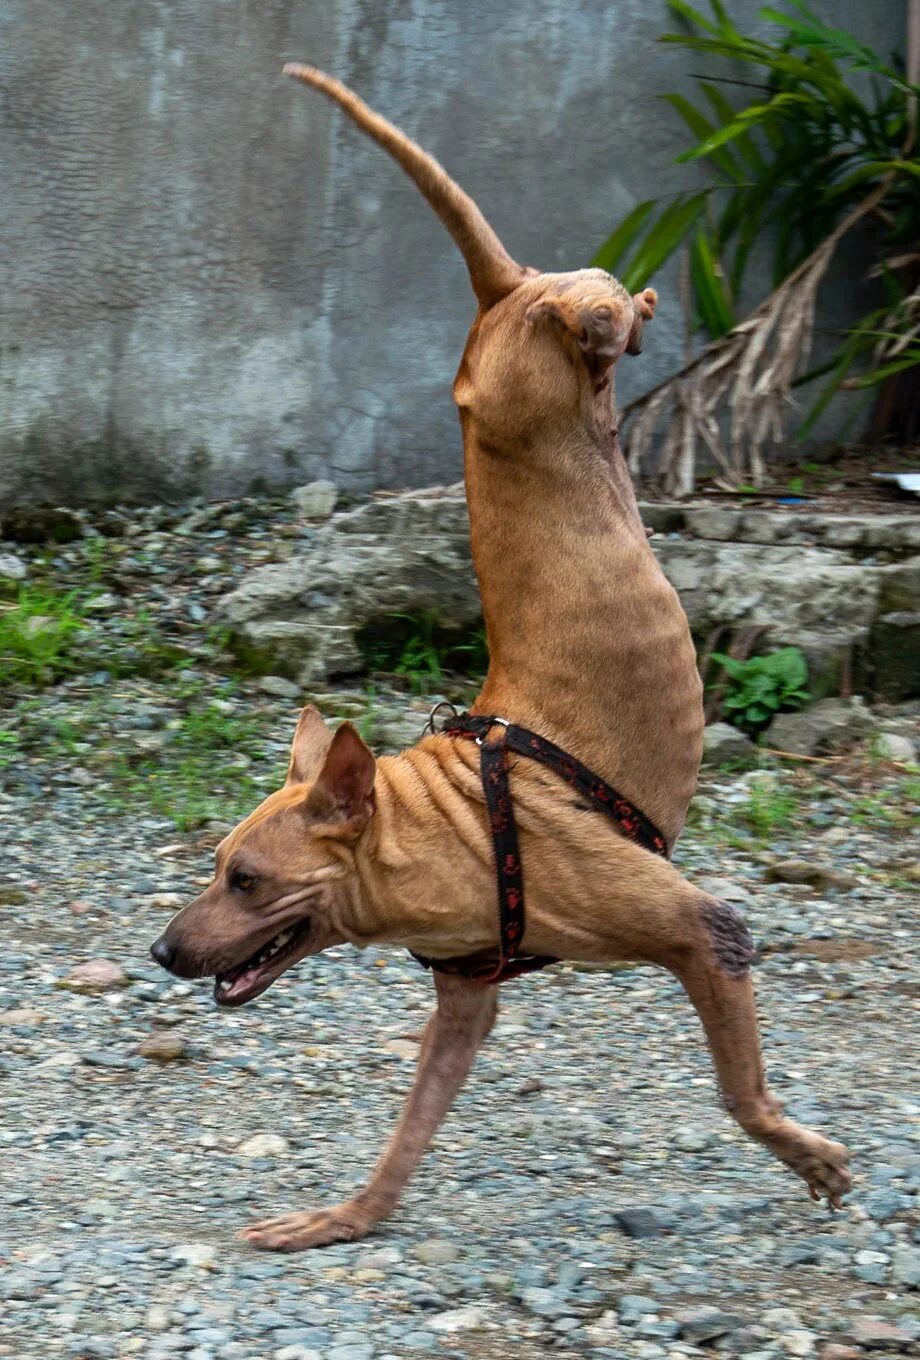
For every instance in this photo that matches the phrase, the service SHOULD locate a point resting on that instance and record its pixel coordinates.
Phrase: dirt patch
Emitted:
(837, 951)
(838, 485)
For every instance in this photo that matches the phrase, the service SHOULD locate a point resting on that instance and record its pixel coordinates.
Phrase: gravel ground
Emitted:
(585, 1198)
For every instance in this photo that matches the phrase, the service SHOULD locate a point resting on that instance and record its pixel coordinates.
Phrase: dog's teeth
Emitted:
(224, 985)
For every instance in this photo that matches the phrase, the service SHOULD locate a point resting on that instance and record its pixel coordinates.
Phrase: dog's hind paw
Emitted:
(823, 1166)
(319, 1228)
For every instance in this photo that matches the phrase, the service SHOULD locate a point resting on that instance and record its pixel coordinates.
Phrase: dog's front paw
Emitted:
(298, 1232)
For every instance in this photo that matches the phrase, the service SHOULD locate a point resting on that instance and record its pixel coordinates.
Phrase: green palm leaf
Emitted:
(616, 245)
(709, 287)
(669, 231)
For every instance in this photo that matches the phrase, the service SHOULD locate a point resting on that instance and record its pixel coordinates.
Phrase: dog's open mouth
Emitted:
(248, 979)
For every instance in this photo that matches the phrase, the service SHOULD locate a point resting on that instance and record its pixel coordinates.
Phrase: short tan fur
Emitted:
(590, 647)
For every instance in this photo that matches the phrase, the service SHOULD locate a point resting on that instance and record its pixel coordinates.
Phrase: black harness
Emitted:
(494, 764)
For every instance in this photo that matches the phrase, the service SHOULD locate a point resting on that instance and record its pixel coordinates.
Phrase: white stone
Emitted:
(781, 1320)
(12, 568)
(61, 1062)
(157, 1318)
(892, 746)
(166, 901)
(797, 1343)
(379, 1258)
(316, 500)
(723, 888)
(403, 1048)
(468, 1319)
(692, 1140)
(94, 976)
(263, 1145)
(436, 1252)
(279, 688)
(201, 1254)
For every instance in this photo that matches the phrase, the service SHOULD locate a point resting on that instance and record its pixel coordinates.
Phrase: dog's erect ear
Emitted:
(599, 331)
(341, 801)
(308, 749)
(644, 304)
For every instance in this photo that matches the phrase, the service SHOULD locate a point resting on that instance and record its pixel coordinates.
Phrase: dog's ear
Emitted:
(308, 749)
(644, 305)
(598, 331)
(341, 800)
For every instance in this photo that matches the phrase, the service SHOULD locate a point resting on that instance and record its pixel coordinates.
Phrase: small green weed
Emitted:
(9, 749)
(762, 686)
(367, 722)
(37, 635)
(420, 664)
(893, 809)
(208, 770)
(421, 651)
(771, 807)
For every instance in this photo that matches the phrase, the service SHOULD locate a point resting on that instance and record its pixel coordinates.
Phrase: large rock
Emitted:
(854, 620)
(884, 537)
(832, 725)
(888, 668)
(163, 1048)
(815, 599)
(722, 742)
(400, 555)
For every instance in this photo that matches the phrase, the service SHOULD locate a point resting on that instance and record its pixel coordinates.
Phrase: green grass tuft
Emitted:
(38, 633)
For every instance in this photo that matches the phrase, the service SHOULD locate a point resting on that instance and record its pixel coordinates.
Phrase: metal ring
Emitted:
(429, 728)
(494, 722)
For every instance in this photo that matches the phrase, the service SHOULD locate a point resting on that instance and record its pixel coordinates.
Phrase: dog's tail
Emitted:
(493, 273)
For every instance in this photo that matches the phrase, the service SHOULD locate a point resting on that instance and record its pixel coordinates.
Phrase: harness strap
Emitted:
(483, 967)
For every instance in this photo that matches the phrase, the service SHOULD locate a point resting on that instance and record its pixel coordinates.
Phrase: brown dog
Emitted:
(589, 647)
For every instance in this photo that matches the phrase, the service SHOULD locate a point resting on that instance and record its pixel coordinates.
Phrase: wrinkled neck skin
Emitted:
(421, 875)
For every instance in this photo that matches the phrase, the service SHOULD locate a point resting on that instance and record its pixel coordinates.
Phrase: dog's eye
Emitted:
(241, 882)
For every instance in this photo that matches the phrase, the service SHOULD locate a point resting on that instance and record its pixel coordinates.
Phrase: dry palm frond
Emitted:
(898, 333)
(749, 371)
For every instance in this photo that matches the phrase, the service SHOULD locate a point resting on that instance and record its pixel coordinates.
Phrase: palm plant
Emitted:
(827, 143)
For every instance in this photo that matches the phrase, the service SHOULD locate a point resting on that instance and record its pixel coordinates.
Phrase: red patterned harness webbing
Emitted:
(484, 967)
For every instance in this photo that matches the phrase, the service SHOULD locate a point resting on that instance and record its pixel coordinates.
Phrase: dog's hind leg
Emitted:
(465, 1014)
(715, 973)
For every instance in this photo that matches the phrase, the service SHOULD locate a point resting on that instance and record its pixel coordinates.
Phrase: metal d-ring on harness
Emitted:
(484, 966)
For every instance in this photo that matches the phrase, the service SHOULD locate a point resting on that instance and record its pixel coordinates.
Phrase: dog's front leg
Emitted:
(465, 1014)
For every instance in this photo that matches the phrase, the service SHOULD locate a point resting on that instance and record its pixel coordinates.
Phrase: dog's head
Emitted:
(553, 342)
(284, 884)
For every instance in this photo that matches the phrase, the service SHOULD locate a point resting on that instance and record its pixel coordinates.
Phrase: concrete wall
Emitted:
(210, 281)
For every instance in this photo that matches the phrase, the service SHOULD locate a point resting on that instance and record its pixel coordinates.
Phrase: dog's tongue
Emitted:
(240, 985)
(247, 979)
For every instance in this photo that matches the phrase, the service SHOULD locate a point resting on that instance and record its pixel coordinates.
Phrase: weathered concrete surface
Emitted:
(852, 610)
(210, 280)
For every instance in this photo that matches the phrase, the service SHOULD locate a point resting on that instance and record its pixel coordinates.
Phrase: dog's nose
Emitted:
(163, 953)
